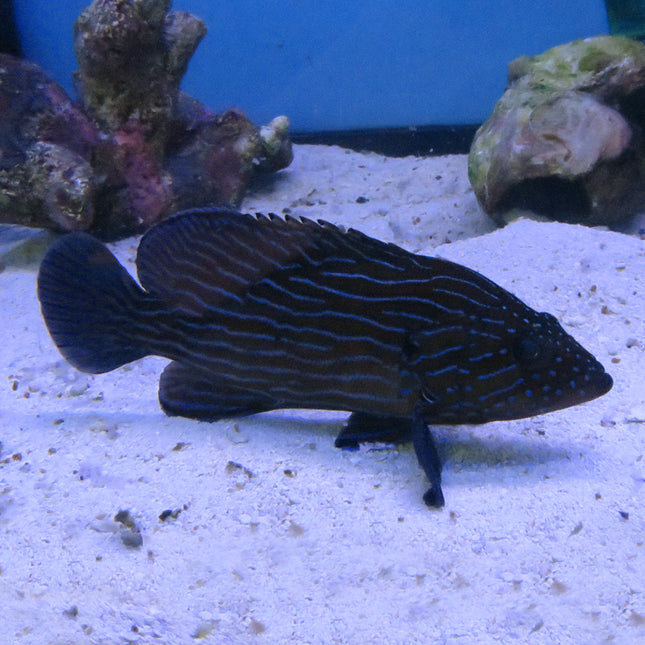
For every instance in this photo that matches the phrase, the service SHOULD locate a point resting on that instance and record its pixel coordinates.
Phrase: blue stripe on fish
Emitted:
(259, 312)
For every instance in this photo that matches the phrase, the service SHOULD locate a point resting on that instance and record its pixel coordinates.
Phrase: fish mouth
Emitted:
(597, 385)
(604, 382)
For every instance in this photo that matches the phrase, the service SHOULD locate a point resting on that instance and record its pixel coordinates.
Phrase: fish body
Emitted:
(258, 313)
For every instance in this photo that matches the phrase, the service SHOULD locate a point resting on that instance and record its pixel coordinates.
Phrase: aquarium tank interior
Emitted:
(322, 322)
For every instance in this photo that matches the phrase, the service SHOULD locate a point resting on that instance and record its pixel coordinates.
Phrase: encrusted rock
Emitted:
(131, 58)
(136, 149)
(565, 140)
(46, 144)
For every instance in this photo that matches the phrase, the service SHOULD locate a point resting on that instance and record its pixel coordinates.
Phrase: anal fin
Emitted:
(187, 392)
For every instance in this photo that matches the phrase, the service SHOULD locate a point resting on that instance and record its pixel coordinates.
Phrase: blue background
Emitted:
(344, 65)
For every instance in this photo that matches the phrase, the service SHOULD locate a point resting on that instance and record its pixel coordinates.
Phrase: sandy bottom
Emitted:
(259, 530)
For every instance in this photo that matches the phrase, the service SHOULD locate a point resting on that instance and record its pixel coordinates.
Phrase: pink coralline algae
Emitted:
(134, 149)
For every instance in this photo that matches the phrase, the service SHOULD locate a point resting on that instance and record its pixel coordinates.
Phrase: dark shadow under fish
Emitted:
(259, 313)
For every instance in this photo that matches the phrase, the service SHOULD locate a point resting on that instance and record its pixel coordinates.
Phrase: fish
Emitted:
(261, 312)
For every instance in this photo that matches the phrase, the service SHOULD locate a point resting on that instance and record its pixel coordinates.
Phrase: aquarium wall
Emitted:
(627, 17)
(345, 65)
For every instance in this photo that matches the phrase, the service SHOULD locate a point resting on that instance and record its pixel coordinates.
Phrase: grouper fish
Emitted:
(259, 312)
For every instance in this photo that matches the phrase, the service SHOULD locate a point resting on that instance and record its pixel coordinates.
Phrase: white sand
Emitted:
(542, 537)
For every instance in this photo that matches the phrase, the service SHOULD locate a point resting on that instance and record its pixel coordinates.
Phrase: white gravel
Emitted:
(278, 537)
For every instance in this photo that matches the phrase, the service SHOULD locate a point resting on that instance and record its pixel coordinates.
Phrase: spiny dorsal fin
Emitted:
(198, 258)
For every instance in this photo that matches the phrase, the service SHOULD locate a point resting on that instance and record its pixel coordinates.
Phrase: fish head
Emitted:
(520, 364)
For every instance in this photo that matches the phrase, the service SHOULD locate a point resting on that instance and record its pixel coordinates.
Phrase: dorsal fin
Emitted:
(200, 257)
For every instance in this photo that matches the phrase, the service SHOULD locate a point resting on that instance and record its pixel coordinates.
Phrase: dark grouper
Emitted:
(259, 313)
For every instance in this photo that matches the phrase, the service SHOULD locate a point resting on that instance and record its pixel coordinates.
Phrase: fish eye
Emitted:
(526, 349)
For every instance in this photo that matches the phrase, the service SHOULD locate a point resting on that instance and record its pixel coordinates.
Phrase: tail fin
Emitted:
(90, 304)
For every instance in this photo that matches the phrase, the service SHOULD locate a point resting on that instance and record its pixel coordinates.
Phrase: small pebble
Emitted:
(72, 612)
(234, 467)
(169, 514)
(296, 530)
(577, 529)
(257, 627)
(234, 435)
(205, 629)
(132, 540)
(130, 534)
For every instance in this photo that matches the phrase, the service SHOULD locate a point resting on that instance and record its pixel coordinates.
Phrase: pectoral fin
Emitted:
(363, 427)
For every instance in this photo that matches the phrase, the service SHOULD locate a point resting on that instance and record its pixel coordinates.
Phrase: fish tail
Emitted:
(91, 305)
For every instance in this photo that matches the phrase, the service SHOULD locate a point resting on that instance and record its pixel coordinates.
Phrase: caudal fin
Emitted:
(90, 304)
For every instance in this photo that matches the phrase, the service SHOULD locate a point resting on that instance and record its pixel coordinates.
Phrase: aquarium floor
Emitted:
(259, 531)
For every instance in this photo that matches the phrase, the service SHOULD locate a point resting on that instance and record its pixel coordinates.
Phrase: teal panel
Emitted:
(626, 17)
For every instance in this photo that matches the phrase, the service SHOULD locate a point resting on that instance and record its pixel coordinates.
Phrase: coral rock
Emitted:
(564, 140)
(45, 148)
(136, 148)
(216, 161)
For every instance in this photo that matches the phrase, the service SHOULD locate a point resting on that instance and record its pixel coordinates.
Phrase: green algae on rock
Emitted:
(564, 139)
